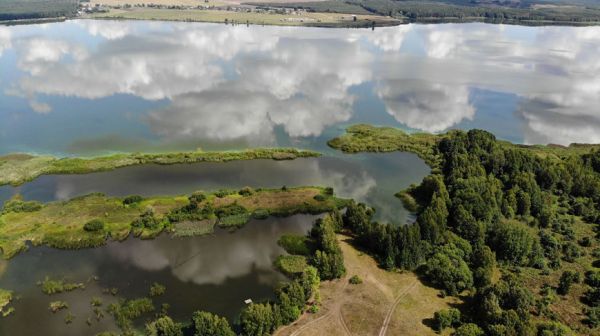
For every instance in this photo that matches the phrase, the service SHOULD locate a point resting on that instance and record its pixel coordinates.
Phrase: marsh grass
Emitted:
(62, 224)
(17, 169)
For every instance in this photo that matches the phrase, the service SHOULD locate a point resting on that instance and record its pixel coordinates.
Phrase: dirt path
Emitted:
(334, 310)
(386, 321)
(385, 303)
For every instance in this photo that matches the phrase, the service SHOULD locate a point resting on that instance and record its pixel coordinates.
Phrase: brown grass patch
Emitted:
(361, 309)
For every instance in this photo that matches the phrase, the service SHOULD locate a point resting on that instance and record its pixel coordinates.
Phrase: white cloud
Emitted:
(431, 107)
(111, 30)
(5, 39)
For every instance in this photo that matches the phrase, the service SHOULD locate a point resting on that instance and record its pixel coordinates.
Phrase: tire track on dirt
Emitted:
(334, 310)
(388, 317)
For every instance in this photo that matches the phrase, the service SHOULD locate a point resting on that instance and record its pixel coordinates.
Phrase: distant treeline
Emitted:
(454, 10)
(36, 9)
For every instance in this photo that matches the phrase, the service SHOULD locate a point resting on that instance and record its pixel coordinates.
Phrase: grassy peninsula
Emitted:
(16, 169)
(94, 219)
(369, 138)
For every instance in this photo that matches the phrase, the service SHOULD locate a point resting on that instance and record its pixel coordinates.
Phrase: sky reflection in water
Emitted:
(94, 87)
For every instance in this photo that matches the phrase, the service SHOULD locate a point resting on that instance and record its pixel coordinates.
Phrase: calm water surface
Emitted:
(215, 273)
(90, 87)
(371, 178)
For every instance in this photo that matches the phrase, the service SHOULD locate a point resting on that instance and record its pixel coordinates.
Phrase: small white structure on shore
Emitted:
(248, 301)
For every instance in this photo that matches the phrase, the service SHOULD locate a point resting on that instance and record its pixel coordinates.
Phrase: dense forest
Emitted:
(35, 9)
(457, 10)
(495, 221)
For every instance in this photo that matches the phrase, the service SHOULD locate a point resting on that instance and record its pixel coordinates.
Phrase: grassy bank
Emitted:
(94, 219)
(571, 14)
(368, 138)
(16, 169)
(254, 18)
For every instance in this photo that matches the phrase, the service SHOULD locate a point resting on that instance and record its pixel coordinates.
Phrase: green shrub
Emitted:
(593, 317)
(468, 329)
(319, 198)
(205, 323)
(295, 244)
(355, 280)
(17, 205)
(446, 318)
(291, 264)
(164, 326)
(260, 214)
(224, 192)
(197, 197)
(133, 199)
(94, 225)
(246, 191)
(146, 220)
(230, 210)
(567, 278)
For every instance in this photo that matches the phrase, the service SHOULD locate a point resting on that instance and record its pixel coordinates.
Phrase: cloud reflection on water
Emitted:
(223, 83)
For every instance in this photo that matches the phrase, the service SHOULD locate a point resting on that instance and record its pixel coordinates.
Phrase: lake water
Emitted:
(88, 87)
(91, 87)
(371, 178)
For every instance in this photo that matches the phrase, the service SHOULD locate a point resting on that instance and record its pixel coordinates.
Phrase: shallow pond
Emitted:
(214, 273)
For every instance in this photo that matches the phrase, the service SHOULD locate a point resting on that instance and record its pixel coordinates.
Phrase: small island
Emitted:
(92, 220)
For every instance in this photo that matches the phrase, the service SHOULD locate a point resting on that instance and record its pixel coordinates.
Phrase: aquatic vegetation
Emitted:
(17, 169)
(50, 286)
(291, 265)
(96, 301)
(69, 318)
(296, 244)
(55, 306)
(157, 289)
(125, 311)
(6, 297)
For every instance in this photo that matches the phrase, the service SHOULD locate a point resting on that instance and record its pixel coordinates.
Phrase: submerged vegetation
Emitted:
(91, 220)
(5, 299)
(507, 227)
(16, 169)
